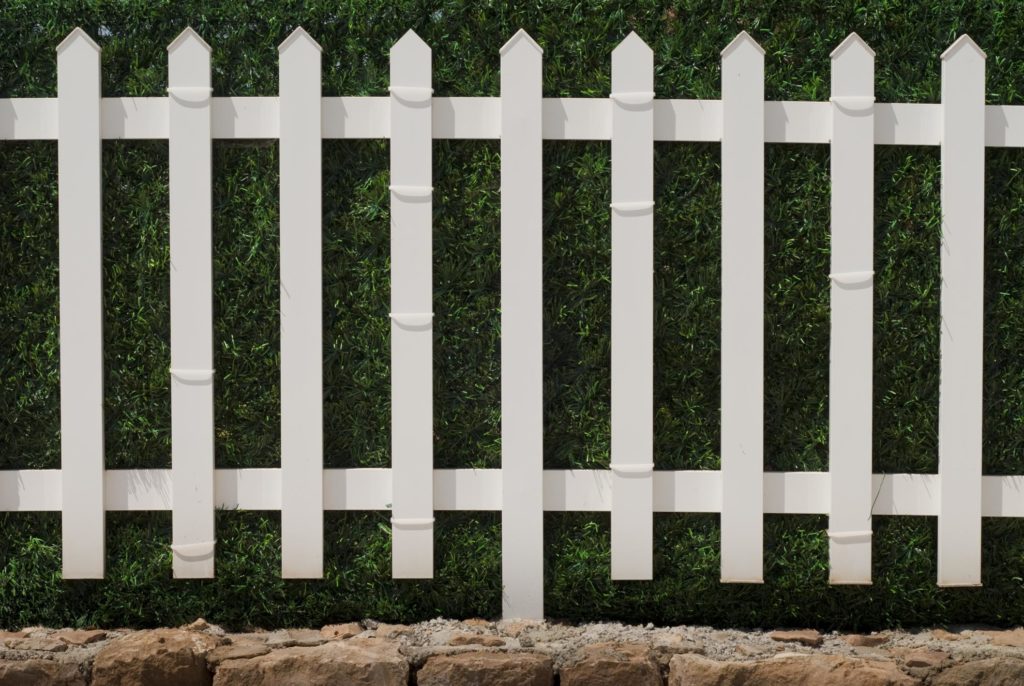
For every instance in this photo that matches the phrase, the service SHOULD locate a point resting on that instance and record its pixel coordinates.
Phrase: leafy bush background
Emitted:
(798, 36)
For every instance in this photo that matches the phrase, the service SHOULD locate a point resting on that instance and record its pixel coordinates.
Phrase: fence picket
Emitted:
(190, 185)
(632, 212)
(301, 310)
(79, 181)
(852, 271)
(412, 438)
(522, 420)
(742, 309)
(962, 306)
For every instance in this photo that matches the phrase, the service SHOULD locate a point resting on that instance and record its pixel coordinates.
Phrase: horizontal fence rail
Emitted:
(562, 490)
(473, 118)
(633, 489)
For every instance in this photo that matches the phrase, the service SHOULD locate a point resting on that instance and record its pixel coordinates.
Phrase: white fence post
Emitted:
(742, 310)
(850, 402)
(79, 182)
(632, 210)
(412, 392)
(302, 445)
(962, 305)
(190, 180)
(522, 417)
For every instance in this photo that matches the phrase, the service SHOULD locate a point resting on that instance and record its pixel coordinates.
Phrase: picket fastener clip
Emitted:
(190, 95)
(641, 468)
(634, 99)
(417, 95)
(636, 207)
(193, 375)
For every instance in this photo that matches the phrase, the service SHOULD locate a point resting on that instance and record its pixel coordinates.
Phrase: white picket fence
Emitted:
(190, 118)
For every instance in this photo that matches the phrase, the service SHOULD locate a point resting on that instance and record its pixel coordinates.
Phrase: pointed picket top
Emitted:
(520, 36)
(853, 40)
(76, 37)
(188, 64)
(411, 44)
(294, 37)
(632, 45)
(958, 44)
(743, 39)
(188, 36)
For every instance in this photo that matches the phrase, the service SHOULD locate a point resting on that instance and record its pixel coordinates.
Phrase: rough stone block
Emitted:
(162, 657)
(486, 669)
(612, 664)
(995, 671)
(39, 672)
(805, 670)
(354, 663)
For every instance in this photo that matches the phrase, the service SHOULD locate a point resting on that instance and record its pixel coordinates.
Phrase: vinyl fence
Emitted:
(852, 123)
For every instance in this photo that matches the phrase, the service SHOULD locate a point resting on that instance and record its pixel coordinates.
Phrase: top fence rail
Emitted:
(479, 118)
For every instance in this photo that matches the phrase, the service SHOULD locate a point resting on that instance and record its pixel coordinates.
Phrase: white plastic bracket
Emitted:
(633, 99)
(632, 208)
(194, 550)
(850, 536)
(192, 375)
(852, 278)
(191, 95)
(412, 320)
(412, 193)
(412, 95)
(854, 104)
(628, 469)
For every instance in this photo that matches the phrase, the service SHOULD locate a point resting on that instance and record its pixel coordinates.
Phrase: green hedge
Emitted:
(578, 38)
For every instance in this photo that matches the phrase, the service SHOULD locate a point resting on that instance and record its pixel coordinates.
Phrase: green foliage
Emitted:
(687, 36)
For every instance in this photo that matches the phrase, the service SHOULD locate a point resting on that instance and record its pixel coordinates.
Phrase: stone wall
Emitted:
(479, 652)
